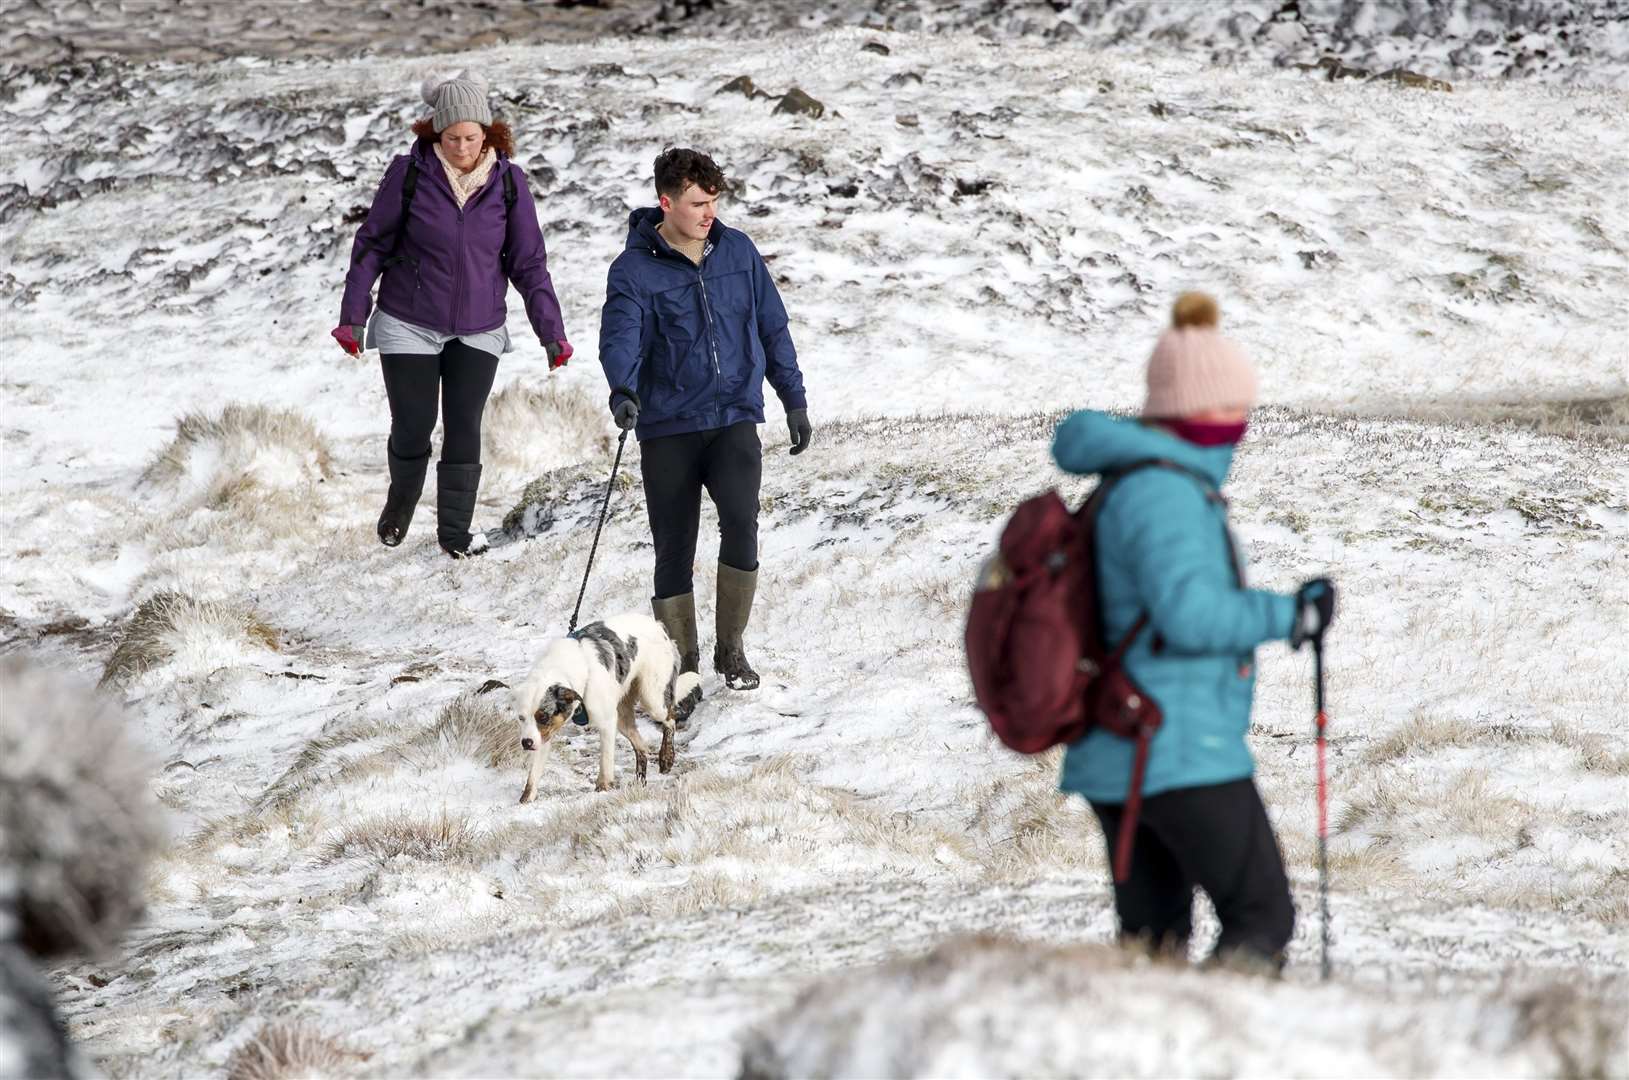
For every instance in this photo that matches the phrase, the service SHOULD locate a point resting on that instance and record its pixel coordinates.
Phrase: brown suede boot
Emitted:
(735, 592)
(677, 614)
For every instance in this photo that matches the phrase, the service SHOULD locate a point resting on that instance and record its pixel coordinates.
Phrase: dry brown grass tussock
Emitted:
(716, 838)
(160, 623)
(1023, 824)
(1424, 733)
(1466, 804)
(234, 437)
(473, 726)
(316, 762)
(291, 1052)
(443, 838)
(535, 429)
(1578, 1024)
(470, 726)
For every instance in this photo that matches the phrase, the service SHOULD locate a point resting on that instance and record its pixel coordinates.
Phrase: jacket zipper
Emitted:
(458, 273)
(712, 336)
(463, 256)
(707, 311)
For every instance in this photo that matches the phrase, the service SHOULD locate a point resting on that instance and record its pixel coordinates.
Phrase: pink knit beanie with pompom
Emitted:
(1194, 369)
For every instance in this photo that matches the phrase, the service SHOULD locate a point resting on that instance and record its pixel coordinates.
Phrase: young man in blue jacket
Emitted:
(692, 327)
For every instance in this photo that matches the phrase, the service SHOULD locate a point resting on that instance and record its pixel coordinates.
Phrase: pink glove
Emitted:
(559, 352)
(346, 336)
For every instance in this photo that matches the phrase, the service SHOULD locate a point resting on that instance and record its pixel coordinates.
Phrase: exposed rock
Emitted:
(1333, 69)
(798, 103)
(875, 47)
(903, 78)
(742, 84)
(1404, 77)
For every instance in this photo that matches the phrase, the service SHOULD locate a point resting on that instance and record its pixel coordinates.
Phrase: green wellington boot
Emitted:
(677, 614)
(735, 593)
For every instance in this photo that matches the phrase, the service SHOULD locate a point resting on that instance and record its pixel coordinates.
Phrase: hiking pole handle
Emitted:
(605, 506)
(1318, 676)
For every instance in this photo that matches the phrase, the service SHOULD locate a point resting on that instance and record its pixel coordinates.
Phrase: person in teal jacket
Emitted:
(1164, 550)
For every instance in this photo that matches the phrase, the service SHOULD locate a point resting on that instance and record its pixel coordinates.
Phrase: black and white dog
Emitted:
(603, 670)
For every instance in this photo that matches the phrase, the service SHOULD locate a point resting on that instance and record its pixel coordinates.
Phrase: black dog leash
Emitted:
(604, 509)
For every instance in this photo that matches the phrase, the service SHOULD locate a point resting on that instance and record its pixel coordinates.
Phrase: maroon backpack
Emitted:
(1041, 670)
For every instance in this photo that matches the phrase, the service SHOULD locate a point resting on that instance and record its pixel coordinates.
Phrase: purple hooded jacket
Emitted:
(453, 267)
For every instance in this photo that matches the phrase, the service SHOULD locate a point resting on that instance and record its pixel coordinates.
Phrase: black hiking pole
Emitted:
(604, 508)
(1323, 799)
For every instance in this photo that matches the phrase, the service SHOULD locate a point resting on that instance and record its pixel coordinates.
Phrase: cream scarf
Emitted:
(466, 184)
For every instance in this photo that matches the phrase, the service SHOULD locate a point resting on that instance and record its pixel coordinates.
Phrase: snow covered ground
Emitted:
(975, 237)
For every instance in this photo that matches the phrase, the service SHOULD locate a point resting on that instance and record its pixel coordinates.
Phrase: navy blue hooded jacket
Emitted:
(695, 342)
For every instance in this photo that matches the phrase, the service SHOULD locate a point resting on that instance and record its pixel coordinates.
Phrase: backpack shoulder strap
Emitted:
(510, 195)
(410, 183)
(1094, 506)
(1211, 495)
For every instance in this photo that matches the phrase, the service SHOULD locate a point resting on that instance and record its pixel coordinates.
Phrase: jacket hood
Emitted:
(642, 232)
(1093, 442)
(642, 227)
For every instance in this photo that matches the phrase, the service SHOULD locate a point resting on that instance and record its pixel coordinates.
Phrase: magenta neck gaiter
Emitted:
(1208, 434)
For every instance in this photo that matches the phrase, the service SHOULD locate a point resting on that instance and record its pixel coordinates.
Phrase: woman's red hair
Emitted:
(498, 135)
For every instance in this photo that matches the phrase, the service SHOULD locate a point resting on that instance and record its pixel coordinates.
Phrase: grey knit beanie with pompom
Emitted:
(456, 98)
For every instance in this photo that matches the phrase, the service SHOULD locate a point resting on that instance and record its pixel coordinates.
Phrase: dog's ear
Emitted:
(571, 705)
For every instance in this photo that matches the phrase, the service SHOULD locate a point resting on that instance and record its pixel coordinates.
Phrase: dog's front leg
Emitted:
(664, 757)
(630, 731)
(533, 771)
(608, 758)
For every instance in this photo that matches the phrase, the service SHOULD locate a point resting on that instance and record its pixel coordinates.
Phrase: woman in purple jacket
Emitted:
(453, 223)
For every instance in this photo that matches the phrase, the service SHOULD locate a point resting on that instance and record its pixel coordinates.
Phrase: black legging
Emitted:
(728, 462)
(461, 377)
(1218, 838)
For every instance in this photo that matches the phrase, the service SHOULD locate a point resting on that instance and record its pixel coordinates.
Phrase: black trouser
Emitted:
(461, 377)
(728, 462)
(1218, 838)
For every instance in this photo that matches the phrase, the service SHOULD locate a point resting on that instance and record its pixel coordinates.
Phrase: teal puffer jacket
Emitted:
(1162, 548)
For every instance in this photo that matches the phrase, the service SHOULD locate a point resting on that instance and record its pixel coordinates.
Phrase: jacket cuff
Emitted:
(350, 315)
(1289, 611)
(796, 400)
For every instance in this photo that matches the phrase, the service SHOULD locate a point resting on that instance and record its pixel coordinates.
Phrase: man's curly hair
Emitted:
(678, 166)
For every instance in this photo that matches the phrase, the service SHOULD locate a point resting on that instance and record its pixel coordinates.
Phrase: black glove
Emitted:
(625, 412)
(797, 421)
(1314, 611)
